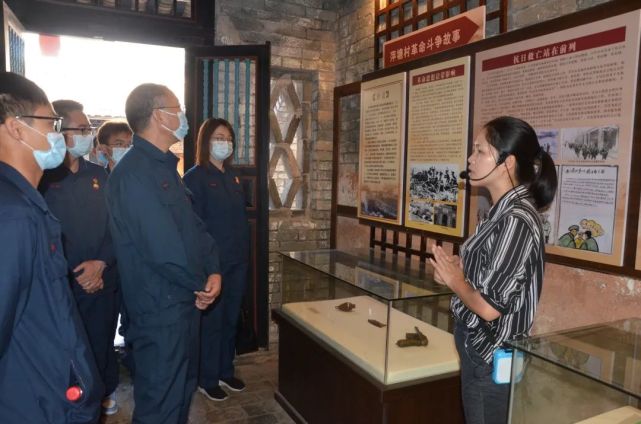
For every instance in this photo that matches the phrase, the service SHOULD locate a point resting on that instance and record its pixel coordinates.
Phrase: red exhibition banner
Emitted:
(453, 32)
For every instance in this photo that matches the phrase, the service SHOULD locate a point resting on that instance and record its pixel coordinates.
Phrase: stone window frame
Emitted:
(309, 108)
(395, 18)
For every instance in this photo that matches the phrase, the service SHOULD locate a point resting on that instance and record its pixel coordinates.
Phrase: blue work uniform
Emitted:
(164, 255)
(43, 346)
(78, 201)
(219, 200)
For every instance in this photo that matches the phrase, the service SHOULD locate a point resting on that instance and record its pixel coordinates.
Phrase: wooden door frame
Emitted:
(262, 158)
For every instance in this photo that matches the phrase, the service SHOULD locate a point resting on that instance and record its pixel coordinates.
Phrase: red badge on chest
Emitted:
(95, 184)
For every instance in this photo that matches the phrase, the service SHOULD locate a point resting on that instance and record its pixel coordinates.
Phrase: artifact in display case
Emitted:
(588, 375)
(385, 321)
(339, 297)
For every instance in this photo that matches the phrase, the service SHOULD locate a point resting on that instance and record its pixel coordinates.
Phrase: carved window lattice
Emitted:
(287, 144)
(395, 18)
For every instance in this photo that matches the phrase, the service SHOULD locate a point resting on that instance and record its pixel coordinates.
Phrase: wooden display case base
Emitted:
(318, 385)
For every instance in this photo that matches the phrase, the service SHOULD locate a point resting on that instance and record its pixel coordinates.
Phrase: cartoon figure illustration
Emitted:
(582, 236)
(567, 239)
(589, 243)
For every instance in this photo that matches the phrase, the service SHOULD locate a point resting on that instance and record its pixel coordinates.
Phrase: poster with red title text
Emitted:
(576, 88)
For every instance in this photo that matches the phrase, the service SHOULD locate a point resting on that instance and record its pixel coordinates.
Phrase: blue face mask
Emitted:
(49, 159)
(81, 145)
(102, 159)
(118, 153)
(220, 149)
(183, 127)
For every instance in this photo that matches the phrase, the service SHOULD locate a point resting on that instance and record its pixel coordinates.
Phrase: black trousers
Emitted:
(484, 401)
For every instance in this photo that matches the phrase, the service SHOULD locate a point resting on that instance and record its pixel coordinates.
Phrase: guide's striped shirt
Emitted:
(504, 261)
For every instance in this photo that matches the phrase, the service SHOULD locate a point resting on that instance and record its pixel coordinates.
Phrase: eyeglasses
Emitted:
(57, 120)
(82, 130)
(169, 107)
(119, 143)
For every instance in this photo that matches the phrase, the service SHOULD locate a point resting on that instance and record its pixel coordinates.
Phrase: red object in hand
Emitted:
(74, 393)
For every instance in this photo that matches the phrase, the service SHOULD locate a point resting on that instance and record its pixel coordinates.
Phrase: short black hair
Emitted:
(19, 96)
(65, 107)
(109, 128)
(141, 103)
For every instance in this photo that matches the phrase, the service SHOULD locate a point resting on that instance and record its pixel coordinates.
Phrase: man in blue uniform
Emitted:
(74, 192)
(47, 370)
(114, 140)
(168, 263)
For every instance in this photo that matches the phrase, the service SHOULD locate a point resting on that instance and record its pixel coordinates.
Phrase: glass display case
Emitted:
(388, 318)
(588, 375)
(363, 337)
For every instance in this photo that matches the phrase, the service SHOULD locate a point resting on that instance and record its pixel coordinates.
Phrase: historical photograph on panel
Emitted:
(590, 143)
(380, 203)
(480, 206)
(549, 141)
(587, 204)
(434, 182)
(421, 211)
(445, 215)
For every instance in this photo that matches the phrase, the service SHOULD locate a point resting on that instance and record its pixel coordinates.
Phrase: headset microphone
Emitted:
(465, 175)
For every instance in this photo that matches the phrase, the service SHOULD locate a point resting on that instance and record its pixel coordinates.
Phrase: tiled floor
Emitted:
(255, 405)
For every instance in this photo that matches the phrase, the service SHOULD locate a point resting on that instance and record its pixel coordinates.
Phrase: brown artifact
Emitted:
(346, 307)
(376, 323)
(413, 339)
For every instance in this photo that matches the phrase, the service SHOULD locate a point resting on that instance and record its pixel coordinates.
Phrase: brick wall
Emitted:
(302, 34)
(527, 12)
(355, 44)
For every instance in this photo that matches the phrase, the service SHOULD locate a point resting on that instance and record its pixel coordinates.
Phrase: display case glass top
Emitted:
(380, 274)
(609, 353)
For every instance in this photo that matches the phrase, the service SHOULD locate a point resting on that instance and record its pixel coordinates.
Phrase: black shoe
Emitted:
(214, 393)
(233, 384)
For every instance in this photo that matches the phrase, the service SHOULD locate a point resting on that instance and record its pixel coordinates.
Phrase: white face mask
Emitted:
(220, 149)
(81, 145)
(183, 125)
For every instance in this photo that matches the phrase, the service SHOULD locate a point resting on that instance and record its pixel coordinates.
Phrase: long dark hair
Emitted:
(204, 134)
(534, 166)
